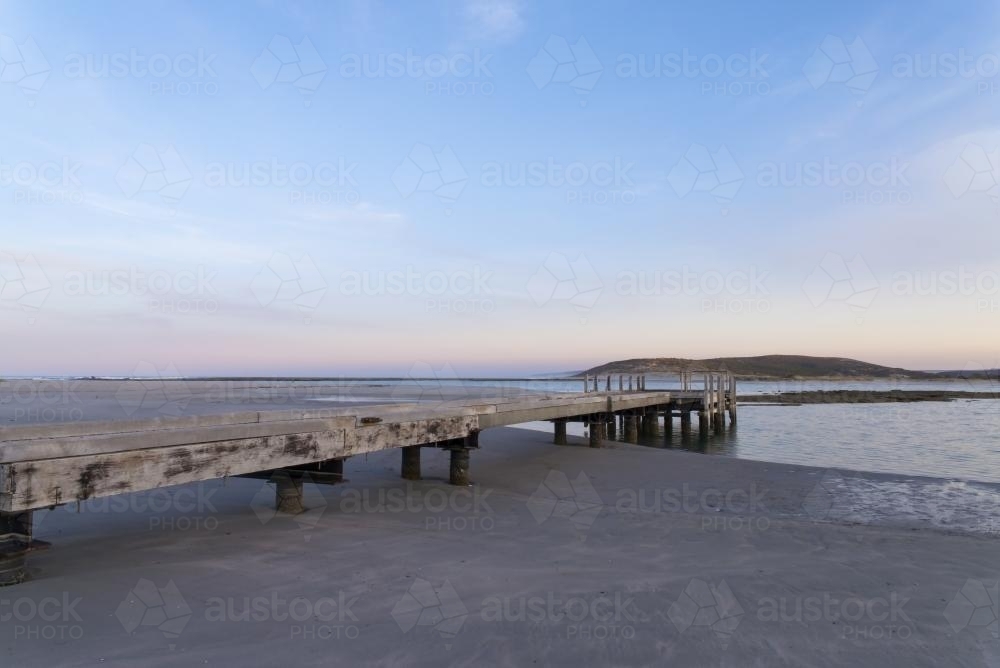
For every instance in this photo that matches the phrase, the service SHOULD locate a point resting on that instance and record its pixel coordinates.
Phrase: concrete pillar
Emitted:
(703, 422)
(459, 470)
(631, 429)
(411, 462)
(685, 421)
(668, 422)
(611, 428)
(288, 493)
(560, 437)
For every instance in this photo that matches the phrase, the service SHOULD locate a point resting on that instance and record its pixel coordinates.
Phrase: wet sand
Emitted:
(571, 556)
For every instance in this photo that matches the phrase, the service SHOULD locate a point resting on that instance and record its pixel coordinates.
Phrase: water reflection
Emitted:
(959, 439)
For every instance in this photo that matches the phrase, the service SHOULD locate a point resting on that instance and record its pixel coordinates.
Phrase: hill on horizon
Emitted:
(778, 366)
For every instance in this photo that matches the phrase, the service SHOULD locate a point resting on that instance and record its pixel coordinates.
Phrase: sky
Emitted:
(495, 187)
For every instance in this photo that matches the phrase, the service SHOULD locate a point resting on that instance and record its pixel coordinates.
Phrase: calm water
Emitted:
(960, 439)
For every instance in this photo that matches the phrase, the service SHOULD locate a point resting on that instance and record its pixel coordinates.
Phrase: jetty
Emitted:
(46, 463)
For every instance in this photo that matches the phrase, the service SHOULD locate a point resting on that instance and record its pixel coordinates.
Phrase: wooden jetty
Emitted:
(46, 465)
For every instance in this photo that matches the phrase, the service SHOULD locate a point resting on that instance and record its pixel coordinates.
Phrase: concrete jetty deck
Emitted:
(176, 432)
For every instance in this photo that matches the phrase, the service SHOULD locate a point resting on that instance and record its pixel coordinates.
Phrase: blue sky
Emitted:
(514, 201)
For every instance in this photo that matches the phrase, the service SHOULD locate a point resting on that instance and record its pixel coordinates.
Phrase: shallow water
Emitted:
(959, 439)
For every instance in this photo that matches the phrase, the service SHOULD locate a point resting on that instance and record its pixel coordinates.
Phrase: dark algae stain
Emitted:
(89, 477)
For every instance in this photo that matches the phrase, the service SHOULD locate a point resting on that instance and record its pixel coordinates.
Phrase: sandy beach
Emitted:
(623, 555)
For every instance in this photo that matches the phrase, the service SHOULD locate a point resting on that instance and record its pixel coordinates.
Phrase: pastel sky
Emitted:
(495, 186)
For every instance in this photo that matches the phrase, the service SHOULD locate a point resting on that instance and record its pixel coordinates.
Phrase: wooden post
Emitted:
(288, 493)
(631, 429)
(560, 437)
(630, 382)
(621, 383)
(586, 383)
(611, 428)
(597, 379)
(608, 387)
(706, 407)
(668, 421)
(732, 400)
(411, 462)
(652, 423)
(595, 433)
(685, 421)
(720, 407)
(458, 472)
(15, 543)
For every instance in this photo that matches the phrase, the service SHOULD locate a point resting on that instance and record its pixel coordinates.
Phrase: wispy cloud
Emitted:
(498, 20)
